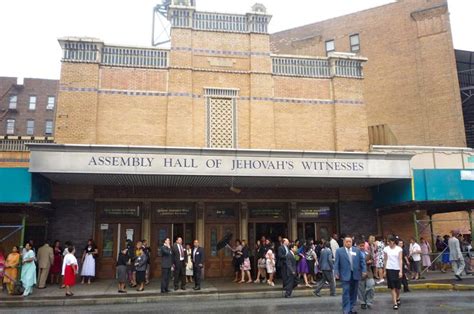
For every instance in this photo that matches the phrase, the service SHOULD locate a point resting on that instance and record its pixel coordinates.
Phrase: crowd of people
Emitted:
(359, 263)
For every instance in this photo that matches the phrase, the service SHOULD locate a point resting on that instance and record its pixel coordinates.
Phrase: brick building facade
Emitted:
(234, 130)
(27, 109)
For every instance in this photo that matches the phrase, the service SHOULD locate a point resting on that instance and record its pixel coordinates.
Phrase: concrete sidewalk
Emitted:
(104, 292)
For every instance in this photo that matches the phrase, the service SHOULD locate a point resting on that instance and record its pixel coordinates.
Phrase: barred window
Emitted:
(221, 123)
(30, 127)
(51, 101)
(32, 103)
(10, 126)
(12, 102)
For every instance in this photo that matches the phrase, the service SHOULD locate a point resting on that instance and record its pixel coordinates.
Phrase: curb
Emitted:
(204, 296)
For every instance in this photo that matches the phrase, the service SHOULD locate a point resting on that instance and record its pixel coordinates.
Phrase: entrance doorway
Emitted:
(271, 231)
(170, 230)
(315, 230)
(112, 237)
(218, 262)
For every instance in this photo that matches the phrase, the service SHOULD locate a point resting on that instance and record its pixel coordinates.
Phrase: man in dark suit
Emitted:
(166, 262)
(179, 263)
(290, 267)
(198, 264)
(326, 265)
(349, 267)
(282, 253)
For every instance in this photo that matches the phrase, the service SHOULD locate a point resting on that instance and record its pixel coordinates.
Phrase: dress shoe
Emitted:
(317, 294)
(197, 288)
(288, 296)
(363, 306)
(183, 288)
(458, 278)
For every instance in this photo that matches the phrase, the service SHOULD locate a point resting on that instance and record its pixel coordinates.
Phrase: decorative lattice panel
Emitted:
(221, 123)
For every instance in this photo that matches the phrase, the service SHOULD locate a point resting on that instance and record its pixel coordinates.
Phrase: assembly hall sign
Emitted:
(203, 162)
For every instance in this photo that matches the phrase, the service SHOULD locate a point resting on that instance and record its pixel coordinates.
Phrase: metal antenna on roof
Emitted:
(160, 34)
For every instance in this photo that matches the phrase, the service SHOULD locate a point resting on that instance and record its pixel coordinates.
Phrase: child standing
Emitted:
(367, 284)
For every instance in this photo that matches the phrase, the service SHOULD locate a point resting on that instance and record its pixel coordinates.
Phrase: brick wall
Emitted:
(42, 89)
(357, 218)
(410, 79)
(73, 220)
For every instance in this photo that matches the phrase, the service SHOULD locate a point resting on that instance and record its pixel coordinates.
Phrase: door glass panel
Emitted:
(189, 234)
(213, 238)
(309, 231)
(300, 233)
(228, 253)
(178, 231)
(162, 235)
(324, 233)
(252, 240)
(108, 242)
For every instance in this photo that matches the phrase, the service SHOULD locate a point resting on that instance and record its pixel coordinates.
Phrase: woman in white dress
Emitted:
(88, 261)
(189, 264)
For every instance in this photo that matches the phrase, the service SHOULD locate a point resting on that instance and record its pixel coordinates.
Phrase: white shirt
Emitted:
(393, 257)
(415, 247)
(334, 247)
(69, 259)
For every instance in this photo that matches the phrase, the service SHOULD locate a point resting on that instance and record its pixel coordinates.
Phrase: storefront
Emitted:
(148, 193)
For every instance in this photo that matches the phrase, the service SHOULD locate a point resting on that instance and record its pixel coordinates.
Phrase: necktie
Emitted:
(350, 257)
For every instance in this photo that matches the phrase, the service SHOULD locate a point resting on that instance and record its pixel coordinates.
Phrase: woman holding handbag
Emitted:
(69, 270)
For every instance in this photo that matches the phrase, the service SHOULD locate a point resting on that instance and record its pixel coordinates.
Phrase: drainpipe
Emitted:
(23, 225)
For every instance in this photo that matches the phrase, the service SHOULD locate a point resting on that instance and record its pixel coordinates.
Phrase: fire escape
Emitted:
(465, 65)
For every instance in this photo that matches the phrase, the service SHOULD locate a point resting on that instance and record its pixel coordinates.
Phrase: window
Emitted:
(330, 46)
(355, 43)
(30, 127)
(10, 126)
(48, 130)
(12, 102)
(32, 105)
(50, 105)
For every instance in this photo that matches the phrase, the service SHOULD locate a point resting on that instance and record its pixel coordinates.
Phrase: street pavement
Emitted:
(431, 302)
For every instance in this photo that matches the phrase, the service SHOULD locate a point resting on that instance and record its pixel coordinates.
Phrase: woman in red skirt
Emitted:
(70, 269)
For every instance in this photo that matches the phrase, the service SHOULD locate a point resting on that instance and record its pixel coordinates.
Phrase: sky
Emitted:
(29, 29)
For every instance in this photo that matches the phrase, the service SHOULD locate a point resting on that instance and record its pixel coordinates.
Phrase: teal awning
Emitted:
(17, 185)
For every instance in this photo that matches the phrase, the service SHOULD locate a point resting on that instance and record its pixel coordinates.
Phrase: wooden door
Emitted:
(159, 233)
(107, 245)
(218, 263)
(111, 239)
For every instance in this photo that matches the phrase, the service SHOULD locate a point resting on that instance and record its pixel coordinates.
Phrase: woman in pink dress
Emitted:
(425, 252)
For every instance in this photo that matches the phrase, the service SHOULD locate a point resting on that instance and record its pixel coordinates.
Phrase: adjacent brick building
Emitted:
(27, 108)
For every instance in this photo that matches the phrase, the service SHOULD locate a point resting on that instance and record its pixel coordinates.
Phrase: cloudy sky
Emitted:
(29, 28)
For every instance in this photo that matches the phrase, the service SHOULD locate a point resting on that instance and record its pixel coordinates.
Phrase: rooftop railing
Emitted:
(97, 52)
(333, 66)
(19, 145)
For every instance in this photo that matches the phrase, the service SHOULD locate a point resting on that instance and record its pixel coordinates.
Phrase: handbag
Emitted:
(18, 288)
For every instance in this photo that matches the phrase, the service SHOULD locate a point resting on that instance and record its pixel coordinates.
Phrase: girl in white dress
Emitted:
(270, 264)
